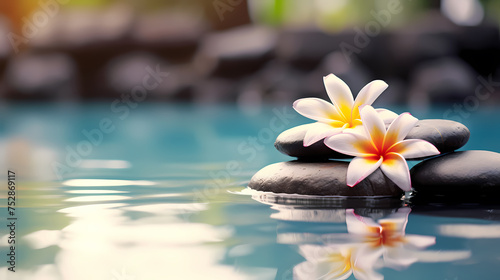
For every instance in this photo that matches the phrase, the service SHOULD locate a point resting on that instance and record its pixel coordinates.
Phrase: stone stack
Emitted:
(318, 170)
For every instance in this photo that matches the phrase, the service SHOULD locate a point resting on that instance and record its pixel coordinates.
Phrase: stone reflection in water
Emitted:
(340, 243)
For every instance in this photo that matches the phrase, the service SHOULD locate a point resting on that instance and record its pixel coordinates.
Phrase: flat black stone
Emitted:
(291, 142)
(320, 178)
(458, 174)
(446, 135)
(237, 52)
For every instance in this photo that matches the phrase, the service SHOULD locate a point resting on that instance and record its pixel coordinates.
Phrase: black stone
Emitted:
(305, 48)
(463, 174)
(442, 81)
(42, 77)
(291, 142)
(320, 178)
(446, 135)
(237, 52)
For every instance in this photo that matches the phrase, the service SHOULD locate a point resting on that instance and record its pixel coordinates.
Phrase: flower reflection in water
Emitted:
(336, 262)
(370, 245)
(387, 237)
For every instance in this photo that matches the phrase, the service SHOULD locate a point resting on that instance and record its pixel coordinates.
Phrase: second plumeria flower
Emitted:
(343, 113)
(380, 147)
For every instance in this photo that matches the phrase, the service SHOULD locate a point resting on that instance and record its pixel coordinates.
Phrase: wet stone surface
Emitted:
(458, 175)
(320, 178)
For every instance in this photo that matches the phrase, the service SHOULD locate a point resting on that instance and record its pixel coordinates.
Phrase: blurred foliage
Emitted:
(492, 8)
(88, 3)
(339, 14)
(328, 15)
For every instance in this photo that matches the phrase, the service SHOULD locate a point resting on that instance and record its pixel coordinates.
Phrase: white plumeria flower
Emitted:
(337, 262)
(343, 113)
(377, 147)
(388, 237)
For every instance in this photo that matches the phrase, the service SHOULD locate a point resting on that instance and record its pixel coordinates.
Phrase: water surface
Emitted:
(157, 194)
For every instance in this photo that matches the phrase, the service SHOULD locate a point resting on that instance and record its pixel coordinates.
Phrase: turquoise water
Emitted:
(157, 192)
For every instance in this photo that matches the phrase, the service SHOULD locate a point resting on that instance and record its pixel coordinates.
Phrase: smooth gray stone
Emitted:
(304, 48)
(291, 142)
(446, 135)
(442, 80)
(320, 178)
(458, 174)
(237, 52)
(42, 76)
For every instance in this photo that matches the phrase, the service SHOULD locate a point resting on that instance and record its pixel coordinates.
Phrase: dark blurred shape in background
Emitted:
(248, 51)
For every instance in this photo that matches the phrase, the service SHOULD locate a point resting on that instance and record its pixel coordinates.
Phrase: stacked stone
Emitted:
(318, 170)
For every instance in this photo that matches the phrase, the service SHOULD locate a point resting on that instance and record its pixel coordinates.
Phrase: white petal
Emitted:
(398, 220)
(387, 115)
(334, 270)
(313, 252)
(359, 225)
(374, 125)
(317, 109)
(321, 270)
(360, 168)
(303, 270)
(350, 144)
(323, 262)
(398, 257)
(319, 131)
(358, 129)
(367, 274)
(399, 128)
(368, 94)
(414, 148)
(366, 258)
(395, 167)
(339, 94)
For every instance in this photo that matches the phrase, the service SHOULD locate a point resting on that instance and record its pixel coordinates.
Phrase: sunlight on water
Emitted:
(98, 198)
(105, 183)
(111, 164)
(94, 191)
